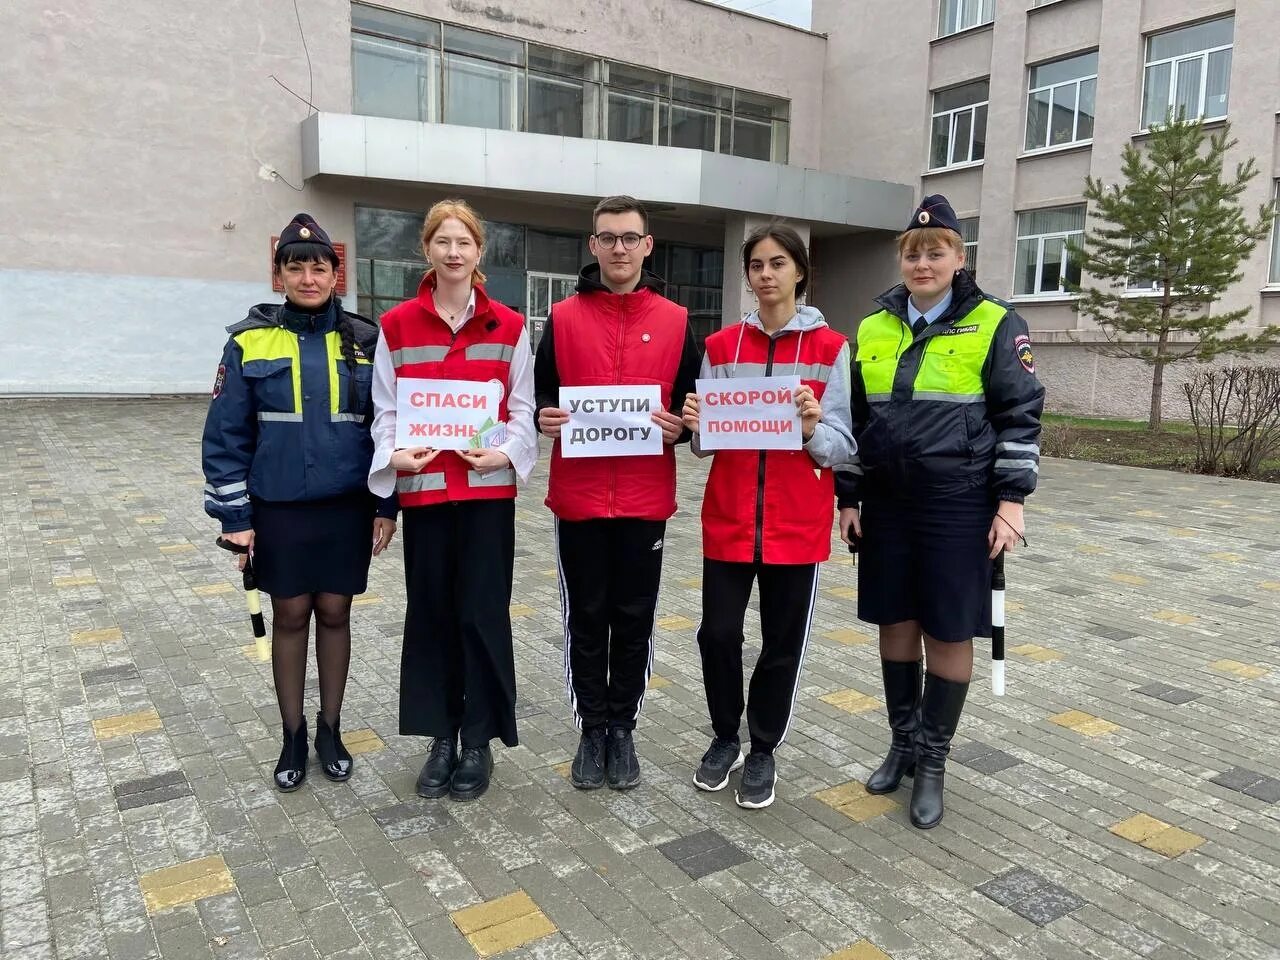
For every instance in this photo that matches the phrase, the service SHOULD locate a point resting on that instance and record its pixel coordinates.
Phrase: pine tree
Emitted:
(1175, 226)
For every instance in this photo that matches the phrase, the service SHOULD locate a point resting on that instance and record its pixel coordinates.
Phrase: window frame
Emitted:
(1200, 56)
(971, 246)
(953, 115)
(1273, 268)
(957, 24)
(1078, 82)
(1040, 238)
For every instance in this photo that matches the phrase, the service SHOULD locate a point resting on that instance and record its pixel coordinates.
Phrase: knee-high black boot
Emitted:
(902, 698)
(939, 714)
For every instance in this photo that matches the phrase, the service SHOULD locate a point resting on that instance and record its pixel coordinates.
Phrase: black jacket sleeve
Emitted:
(849, 476)
(1015, 401)
(686, 381)
(546, 377)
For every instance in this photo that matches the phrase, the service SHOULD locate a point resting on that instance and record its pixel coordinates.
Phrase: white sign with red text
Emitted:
(611, 421)
(749, 413)
(444, 414)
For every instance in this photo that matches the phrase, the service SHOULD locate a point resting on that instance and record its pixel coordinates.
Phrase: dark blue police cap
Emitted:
(304, 229)
(934, 211)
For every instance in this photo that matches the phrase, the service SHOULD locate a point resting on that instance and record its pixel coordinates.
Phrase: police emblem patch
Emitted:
(219, 380)
(1022, 348)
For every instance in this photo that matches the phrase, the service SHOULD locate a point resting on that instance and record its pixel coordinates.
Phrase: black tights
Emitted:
(290, 625)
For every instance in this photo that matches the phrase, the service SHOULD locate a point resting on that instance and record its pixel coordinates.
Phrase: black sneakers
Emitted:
(437, 772)
(758, 777)
(587, 772)
(624, 767)
(722, 758)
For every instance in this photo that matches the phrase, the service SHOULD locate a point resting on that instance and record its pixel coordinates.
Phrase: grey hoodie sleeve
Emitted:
(703, 374)
(832, 443)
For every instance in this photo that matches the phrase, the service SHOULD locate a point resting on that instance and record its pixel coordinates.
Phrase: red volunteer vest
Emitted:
(787, 517)
(423, 345)
(606, 339)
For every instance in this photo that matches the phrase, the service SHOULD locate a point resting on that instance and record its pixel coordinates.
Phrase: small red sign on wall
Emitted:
(341, 249)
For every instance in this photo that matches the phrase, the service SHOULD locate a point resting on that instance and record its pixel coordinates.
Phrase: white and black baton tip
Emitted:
(255, 613)
(997, 642)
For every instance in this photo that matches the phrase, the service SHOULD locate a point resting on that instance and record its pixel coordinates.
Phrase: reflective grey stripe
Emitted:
(420, 482)
(346, 418)
(499, 478)
(225, 489)
(1011, 447)
(806, 371)
(279, 417)
(237, 502)
(949, 397)
(490, 351)
(879, 397)
(738, 370)
(417, 355)
(1003, 464)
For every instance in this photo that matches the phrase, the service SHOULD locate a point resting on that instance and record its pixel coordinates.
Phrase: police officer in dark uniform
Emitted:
(286, 452)
(946, 414)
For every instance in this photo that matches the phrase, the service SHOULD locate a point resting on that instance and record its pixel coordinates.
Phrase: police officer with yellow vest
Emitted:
(286, 453)
(946, 414)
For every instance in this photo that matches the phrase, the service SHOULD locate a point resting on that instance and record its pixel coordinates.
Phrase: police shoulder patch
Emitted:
(1022, 349)
(219, 380)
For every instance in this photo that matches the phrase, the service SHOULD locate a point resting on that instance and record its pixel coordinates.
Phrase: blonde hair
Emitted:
(461, 211)
(923, 238)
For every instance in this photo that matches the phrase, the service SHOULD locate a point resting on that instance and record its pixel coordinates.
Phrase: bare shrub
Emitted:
(1236, 414)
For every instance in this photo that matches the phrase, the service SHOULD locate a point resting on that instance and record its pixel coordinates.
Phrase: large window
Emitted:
(1060, 102)
(1044, 264)
(411, 68)
(969, 231)
(1188, 72)
(957, 15)
(1275, 242)
(959, 125)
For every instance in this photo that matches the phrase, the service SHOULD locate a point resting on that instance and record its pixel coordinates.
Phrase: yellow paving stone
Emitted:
(1092, 549)
(367, 600)
(1083, 723)
(862, 950)
(124, 724)
(74, 581)
(1270, 585)
(1225, 557)
(171, 548)
(1138, 828)
(522, 610)
(1173, 842)
(694, 583)
(1039, 654)
(840, 561)
(842, 593)
(185, 883)
(851, 701)
(500, 925)
(657, 683)
(259, 651)
(1132, 579)
(149, 521)
(1174, 616)
(856, 804)
(1147, 513)
(564, 769)
(213, 589)
(361, 741)
(1246, 671)
(1183, 532)
(550, 572)
(1064, 528)
(848, 636)
(675, 622)
(1013, 605)
(105, 635)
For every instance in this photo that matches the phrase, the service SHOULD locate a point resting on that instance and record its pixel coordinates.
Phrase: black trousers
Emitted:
(609, 575)
(787, 595)
(457, 671)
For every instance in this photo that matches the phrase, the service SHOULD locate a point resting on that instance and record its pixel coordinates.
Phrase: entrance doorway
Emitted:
(544, 289)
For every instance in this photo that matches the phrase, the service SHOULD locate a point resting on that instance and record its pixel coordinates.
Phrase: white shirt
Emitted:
(930, 315)
(521, 446)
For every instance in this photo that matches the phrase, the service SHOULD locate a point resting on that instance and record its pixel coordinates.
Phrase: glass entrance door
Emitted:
(545, 289)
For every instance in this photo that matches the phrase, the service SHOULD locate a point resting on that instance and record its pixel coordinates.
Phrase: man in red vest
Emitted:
(611, 512)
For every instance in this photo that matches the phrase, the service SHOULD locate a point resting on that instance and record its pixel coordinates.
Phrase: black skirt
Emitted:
(313, 546)
(927, 560)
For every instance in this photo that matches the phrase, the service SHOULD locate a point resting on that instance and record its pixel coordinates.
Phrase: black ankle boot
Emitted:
(471, 778)
(335, 762)
(433, 781)
(902, 698)
(292, 768)
(939, 714)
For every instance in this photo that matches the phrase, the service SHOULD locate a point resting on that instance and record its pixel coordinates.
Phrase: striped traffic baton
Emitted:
(997, 625)
(251, 597)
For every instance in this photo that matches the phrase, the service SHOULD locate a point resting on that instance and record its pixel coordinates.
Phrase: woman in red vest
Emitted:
(767, 514)
(457, 672)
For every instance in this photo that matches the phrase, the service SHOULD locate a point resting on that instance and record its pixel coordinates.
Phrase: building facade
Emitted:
(148, 160)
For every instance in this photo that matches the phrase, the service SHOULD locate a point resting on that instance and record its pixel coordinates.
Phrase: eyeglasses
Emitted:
(629, 240)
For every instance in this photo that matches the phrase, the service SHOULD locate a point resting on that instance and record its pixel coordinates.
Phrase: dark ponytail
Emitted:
(347, 334)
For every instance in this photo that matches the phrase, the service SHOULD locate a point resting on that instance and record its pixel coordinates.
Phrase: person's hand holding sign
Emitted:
(413, 459)
(550, 420)
(672, 426)
(485, 461)
(810, 412)
(691, 409)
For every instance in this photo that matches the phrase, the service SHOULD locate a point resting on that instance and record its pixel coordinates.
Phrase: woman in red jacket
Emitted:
(767, 514)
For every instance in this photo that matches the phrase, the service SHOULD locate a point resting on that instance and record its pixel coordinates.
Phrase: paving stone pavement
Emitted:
(1121, 801)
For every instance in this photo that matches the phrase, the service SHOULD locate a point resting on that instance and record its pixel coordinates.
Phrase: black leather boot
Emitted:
(292, 768)
(939, 714)
(471, 778)
(902, 698)
(436, 773)
(335, 762)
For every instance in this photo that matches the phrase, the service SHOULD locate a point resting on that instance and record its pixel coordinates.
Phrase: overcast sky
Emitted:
(790, 11)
